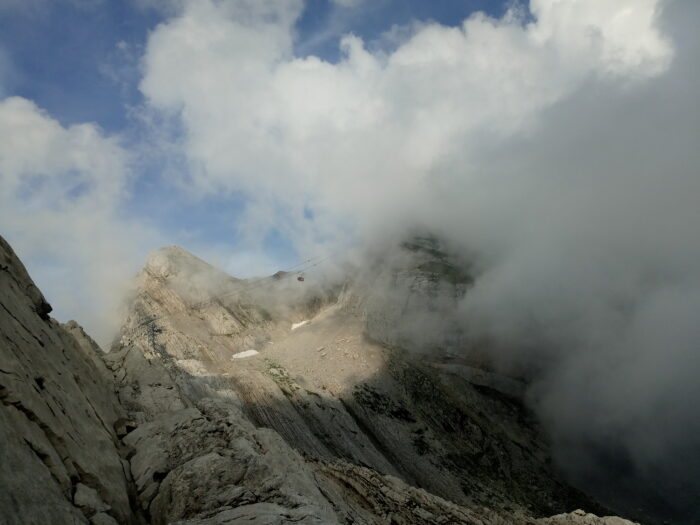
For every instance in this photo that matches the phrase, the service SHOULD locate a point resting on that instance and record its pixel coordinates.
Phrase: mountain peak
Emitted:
(171, 261)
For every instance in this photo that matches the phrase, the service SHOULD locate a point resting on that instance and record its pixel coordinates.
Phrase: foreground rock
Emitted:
(57, 411)
(318, 425)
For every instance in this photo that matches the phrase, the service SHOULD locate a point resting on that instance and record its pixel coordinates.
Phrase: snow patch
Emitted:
(297, 325)
(247, 353)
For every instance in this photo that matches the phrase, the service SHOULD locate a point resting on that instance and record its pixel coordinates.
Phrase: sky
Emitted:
(552, 142)
(73, 63)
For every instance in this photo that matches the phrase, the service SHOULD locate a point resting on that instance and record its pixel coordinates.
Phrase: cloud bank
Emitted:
(555, 145)
(370, 136)
(60, 193)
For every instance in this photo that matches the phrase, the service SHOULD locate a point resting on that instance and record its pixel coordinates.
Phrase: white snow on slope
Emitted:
(297, 325)
(247, 353)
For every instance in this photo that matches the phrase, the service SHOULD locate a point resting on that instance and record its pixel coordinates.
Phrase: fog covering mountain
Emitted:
(269, 401)
(563, 169)
(553, 151)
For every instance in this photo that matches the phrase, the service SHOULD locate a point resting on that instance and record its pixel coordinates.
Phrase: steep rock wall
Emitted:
(60, 462)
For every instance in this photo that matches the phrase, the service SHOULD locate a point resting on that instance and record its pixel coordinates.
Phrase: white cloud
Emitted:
(60, 192)
(619, 36)
(352, 136)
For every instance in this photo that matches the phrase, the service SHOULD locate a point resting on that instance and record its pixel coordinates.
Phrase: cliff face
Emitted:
(261, 401)
(60, 454)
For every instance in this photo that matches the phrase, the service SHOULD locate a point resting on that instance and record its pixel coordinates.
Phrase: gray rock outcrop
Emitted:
(57, 412)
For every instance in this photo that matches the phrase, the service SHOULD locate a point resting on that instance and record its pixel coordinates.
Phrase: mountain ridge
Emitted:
(321, 425)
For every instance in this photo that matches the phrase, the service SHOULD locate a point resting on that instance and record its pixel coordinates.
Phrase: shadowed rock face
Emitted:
(320, 425)
(60, 454)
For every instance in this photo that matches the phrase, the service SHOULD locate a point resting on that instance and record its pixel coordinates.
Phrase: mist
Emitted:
(554, 149)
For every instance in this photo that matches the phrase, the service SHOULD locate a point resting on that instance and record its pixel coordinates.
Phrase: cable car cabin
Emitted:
(300, 278)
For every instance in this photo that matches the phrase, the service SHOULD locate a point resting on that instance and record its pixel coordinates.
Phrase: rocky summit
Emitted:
(264, 401)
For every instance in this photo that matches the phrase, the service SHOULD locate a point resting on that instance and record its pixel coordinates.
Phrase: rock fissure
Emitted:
(27, 330)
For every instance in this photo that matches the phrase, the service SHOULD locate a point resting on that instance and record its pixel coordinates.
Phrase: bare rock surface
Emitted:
(580, 517)
(353, 417)
(318, 423)
(56, 415)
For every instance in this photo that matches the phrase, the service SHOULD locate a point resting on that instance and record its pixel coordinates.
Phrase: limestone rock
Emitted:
(357, 415)
(580, 517)
(208, 459)
(88, 499)
(103, 519)
(56, 413)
